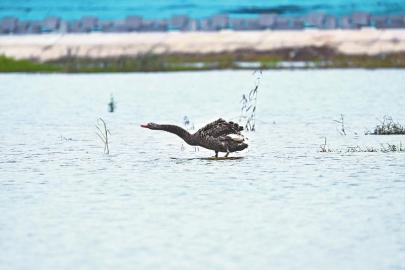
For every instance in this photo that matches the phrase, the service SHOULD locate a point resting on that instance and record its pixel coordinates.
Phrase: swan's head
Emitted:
(151, 126)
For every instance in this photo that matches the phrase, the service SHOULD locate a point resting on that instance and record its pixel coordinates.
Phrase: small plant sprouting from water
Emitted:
(249, 101)
(341, 121)
(63, 138)
(387, 127)
(102, 133)
(189, 126)
(111, 105)
(324, 147)
(187, 123)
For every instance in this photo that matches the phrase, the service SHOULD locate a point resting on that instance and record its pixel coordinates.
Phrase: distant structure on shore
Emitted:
(356, 20)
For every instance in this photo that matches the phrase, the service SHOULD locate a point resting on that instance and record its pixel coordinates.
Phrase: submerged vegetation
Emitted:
(388, 127)
(293, 58)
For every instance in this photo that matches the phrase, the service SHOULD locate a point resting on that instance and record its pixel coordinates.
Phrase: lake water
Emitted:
(106, 9)
(155, 203)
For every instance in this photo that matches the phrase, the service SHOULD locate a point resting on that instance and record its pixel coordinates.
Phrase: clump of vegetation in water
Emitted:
(248, 109)
(383, 148)
(102, 133)
(388, 127)
(324, 147)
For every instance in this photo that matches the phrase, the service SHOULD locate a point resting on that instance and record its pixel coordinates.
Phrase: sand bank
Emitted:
(101, 45)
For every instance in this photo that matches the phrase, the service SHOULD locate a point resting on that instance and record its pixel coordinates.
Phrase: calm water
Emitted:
(155, 204)
(107, 9)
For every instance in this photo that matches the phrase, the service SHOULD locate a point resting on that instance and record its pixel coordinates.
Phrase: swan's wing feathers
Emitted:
(209, 127)
(224, 143)
(219, 128)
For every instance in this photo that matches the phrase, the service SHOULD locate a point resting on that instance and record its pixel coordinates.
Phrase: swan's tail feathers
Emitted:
(236, 138)
(241, 146)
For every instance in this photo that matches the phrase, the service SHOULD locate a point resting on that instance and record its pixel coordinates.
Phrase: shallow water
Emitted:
(106, 9)
(155, 203)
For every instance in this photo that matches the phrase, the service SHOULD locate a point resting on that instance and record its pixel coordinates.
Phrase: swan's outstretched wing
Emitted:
(219, 128)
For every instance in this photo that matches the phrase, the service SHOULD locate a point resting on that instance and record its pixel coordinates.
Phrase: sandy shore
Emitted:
(100, 45)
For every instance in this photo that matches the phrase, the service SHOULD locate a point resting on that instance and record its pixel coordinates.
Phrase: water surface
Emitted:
(155, 203)
(106, 9)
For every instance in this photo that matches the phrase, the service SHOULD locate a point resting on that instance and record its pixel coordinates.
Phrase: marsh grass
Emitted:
(102, 133)
(324, 148)
(314, 57)
(383, 148)
(12, 65)
(341, 121)
(249, 102)
(388, 127)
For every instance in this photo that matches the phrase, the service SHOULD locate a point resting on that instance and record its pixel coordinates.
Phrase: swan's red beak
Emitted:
(145, 126)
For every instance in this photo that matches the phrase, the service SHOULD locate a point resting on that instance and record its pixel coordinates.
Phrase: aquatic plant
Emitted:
(388, 127)
(111, 105)
(383, 148)
(324, 147)
(189, 126)
(187, 123)
(63, 138)
(248, 108)
(392, 148)
(342, 130)
(102, 133)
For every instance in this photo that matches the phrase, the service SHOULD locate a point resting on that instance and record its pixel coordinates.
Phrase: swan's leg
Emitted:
(227, 153)
(216, 154)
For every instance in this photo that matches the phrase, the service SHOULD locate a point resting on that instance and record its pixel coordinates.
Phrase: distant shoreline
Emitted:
(170, 51)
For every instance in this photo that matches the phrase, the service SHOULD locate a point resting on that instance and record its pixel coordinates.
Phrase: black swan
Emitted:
(220, 136)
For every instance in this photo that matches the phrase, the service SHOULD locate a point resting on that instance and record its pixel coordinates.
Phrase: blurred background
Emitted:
(50, 36)
(41, 16)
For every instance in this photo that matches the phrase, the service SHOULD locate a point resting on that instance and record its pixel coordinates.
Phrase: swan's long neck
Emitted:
(181, 132)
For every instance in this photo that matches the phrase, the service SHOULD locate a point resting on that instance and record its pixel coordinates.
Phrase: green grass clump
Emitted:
(312, 57)
(11, 65)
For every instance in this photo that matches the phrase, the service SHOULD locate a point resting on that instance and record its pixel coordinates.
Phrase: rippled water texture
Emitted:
(107, 9)
(154, 203)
